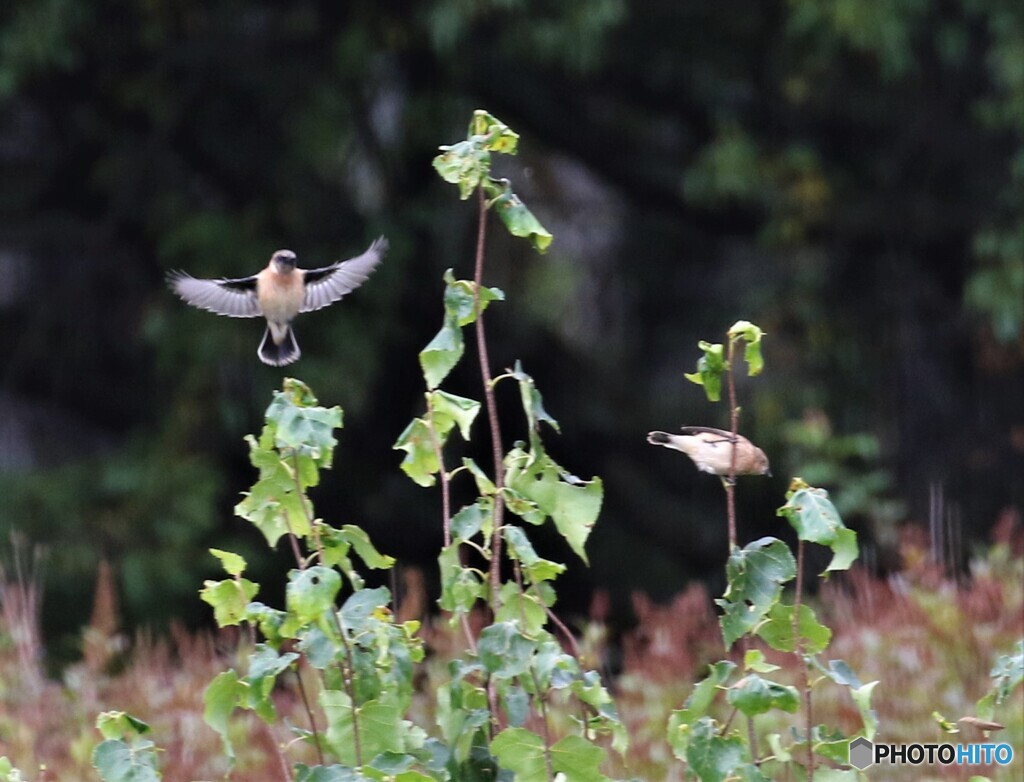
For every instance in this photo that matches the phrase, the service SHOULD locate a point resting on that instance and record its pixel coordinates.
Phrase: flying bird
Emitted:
(279, 293)
(711, 450)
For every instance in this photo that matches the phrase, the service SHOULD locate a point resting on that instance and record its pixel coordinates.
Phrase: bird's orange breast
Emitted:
(280, 295)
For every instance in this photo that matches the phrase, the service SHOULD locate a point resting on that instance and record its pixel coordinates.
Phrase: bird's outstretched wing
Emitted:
(327, 285)
(234, 298)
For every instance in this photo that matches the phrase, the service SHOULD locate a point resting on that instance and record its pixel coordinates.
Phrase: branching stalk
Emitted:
(798, 651)
(492, 407)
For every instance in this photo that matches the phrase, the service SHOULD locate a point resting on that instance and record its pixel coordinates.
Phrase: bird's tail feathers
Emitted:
(279, 354)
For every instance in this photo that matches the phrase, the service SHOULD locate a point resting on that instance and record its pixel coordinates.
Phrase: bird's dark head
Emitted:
(283, 260)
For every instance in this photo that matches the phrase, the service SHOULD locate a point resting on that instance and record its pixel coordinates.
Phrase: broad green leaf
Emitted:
(504, 651)
(578, 759)
(696, 706)
(525, 509)
(710, 368)
(484, 485)
(463, 163)
(754, 695)
(777, 630)
(361, 605)
(233, 564)
(493, 134)
(525, 609)
(470, 519)
(442, 353)
(230, 599)
(815, 519)
(715, 758)
(862, 698)
(365, 549)
(461, 586)
(223, 695)
(573, 504)
(310, 593)
(380, 724)
(118, 761)
(120, 725)
(751, 335)
(420, 461)
(536, 567)
(519, 220)
(755, 575)
(265, 665)
(459, 298)
(753, 660)
(521, 752)
(449, 409)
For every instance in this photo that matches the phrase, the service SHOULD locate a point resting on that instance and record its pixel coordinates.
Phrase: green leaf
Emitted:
(442, 353)
(380, 725)
(578, 759)
(449, 409)
(526, 610)
(753, 660)
(493, 134)
(120, 725)
(573, 504)
(361, 605)
(777, 631)
(751, 335)
(233, 564)
(484, 485)
(470, 519)
(420, 462)
(754, 695)
(310, 593)
(461, 586)
(755, 575)
(696, 706)
(463, 163)
(504, 651)
(533, 404)
(1008, 673)
(335, 773)
(815, 519)
(519, 220)
(862, 699)
(459, 298)
(222, 696)
(521, 752)
(714, 758)
(535, 567)
(230, 599)
(710, 368)
(118, 761)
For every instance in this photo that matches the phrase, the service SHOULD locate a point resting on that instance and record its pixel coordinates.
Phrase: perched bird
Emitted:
(711, 450)
(279, 293)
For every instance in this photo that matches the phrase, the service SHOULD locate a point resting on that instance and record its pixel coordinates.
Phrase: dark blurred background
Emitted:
(847, 175)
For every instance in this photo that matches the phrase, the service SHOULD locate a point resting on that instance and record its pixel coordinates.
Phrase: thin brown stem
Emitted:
(544, 723)
(282, 761)
(312, 717)
(734, 424)
(798, 651)
(492, 407)
(347, 672)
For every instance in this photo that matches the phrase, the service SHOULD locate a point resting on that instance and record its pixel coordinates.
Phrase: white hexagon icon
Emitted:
(861, 753)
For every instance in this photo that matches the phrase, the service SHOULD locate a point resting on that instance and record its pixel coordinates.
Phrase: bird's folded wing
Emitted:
(234, 298)
(691, 430)
(327, 285)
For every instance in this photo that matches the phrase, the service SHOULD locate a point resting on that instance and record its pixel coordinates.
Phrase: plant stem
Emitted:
(492, 408)
(798, 650)
(734, 424)
(544, 722)
(312, 717)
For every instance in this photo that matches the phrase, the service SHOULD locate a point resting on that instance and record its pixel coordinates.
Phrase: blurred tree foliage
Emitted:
(850, 175)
